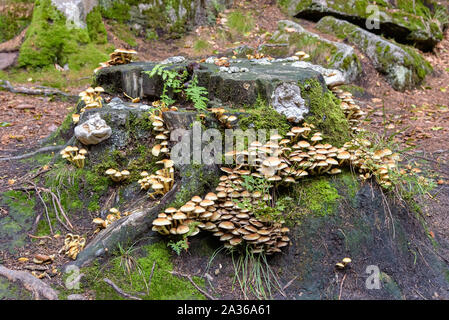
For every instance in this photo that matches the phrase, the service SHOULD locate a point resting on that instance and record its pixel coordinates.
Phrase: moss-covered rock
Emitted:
(408, 21)
(170, 18)
(403, 67)
(329, 54)
(52, 38)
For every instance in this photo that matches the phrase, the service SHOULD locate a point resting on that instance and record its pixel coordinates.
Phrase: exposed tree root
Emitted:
(39, 90)
(32, 154)
(37, 287)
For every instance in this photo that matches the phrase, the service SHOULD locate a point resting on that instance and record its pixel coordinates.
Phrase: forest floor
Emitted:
(417, 119)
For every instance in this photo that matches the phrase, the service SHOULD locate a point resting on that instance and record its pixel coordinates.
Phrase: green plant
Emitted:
(130, 264)
(201, 45)
(178, 246)
(197, 94)
(172, 80)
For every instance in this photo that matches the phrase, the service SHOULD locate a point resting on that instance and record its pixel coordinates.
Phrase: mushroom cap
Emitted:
(179, 216)
(226, 237)
(251, 237)
(211, 196)
(182, 229)
(110, 172)
(196, 199)
(171, 210)
(161, 222)
(187, 208)
(157, 186)
(343, 155)
(346, 260)
(227, 225)
(207, 203)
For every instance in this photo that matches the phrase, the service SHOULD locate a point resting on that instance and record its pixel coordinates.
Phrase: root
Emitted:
(31, 154)
(37, 287)
(38, 90)
(120, 291)
(193, 283)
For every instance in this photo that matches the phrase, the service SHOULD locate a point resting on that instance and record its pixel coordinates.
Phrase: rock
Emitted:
(411, 23)
(332, 77)
(341, 56)
(403, 67)
(177, 59)
(75, 10)
(93, 131)
(7, 59)
(76, 297)
(287, 100)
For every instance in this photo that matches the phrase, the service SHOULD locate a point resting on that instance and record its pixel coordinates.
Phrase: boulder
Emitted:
(329, 54)
(402, 66)
(412, 22)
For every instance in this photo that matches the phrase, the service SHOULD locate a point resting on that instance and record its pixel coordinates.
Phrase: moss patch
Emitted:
(51, 39)
(263, 116)
(18, 222)
(316, 196)
(164, 286)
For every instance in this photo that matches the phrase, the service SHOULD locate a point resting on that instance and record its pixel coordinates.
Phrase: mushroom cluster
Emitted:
(116, 175)
(119, 56)
(225, 120)
(162, 135)
(222, 62)
(352, 111)
(292, 158)
(92, 98)
(369, 162)
(113, 215)
(343, 264)
(161, 182)
(220, 214)
(257, 56)
(74, 155)
(73, 245)
(302, 55)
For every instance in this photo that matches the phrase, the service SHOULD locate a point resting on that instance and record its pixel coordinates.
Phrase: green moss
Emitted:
(263, 116)
(51, 39)
(95, 27)
(164, 286)
(327, 115)
(355, 90)
(19, 219)
(317, 196)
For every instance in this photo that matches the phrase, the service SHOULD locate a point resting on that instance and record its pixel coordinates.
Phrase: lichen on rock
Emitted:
(93, 131)
(286, 99)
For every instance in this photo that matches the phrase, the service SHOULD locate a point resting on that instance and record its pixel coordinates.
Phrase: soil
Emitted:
(417, 118)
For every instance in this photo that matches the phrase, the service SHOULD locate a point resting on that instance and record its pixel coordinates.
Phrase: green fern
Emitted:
(172, 80)
(198, 95)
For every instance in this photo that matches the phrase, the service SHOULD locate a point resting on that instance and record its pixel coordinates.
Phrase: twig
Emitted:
(193, 283)
(341, 286)
(289, 283)
(39, 237)
(151, 276)
(46, 211)
(31, 154)
(120, 291)
(39, 90)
